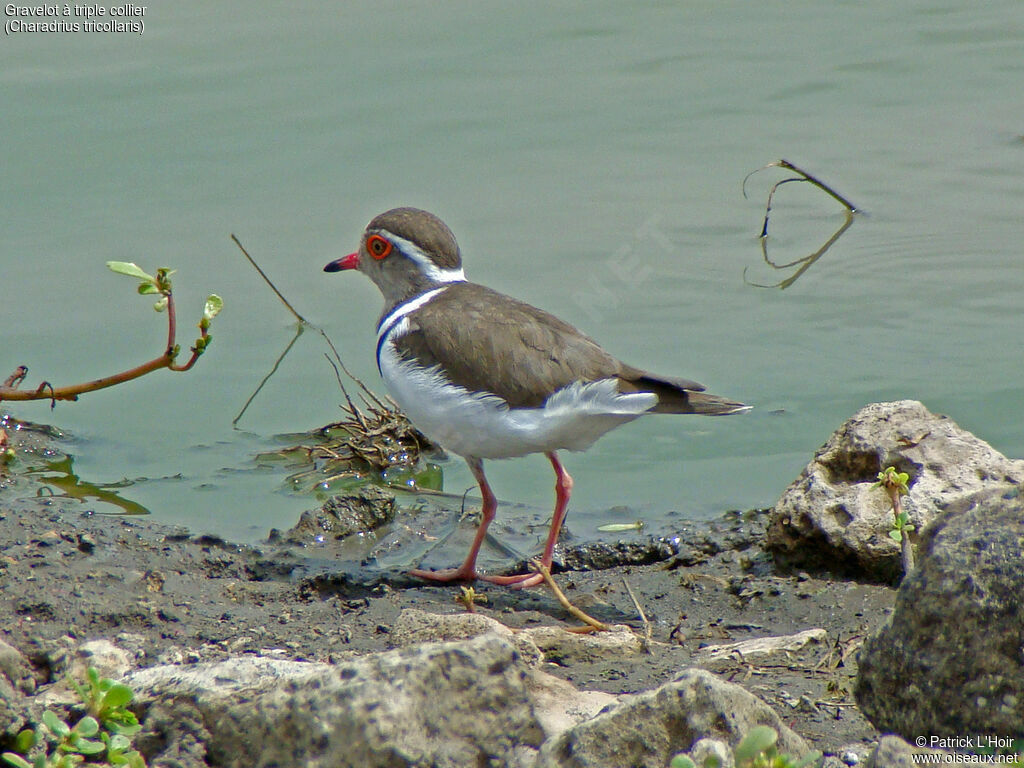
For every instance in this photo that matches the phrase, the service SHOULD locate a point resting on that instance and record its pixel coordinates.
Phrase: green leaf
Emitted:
(896, 536)
(55, 725)
(24, 741)
(619, 527)
(161, 305)
(682, 761)
(214, 304)
(758, 740)
(147, 288)
(16, 760)
(87, 727)
(118, 695)
(89, 747)
(129, 268)
(125, 729)
(119, 743)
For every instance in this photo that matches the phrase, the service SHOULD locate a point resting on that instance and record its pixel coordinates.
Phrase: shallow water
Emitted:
(590, 161)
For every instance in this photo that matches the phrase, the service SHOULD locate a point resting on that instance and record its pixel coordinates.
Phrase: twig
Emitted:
(47, 391)
(804, 176)
(273, 370)
(643, 616)
(906, 548)
(267, 280)
(340, 364)
(592, 623)
(807, 261)
(17, 377)
(355, 412)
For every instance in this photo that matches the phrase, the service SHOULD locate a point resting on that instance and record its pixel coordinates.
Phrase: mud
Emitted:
(168, 596)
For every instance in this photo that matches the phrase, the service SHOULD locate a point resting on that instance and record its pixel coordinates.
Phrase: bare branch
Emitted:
(46, 391)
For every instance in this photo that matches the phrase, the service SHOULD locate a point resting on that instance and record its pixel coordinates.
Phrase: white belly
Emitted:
(484, 427)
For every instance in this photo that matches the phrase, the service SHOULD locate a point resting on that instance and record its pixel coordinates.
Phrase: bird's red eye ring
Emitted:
(378, 246)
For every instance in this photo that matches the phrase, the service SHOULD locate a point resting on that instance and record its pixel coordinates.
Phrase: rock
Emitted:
(894, 752)
(713, 748)
(16, 679)
(645, 730)
(559, 704)
(71, 662)
(566, 648)
(12, 710)
(761, 647)
(833, 518)
(414, 626)
(439, 704)
(16, 668)
(950, 660)
(363, 509)
(536, 644)
(108, 659)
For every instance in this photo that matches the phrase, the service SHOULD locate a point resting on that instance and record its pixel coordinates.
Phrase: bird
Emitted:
(487, 376)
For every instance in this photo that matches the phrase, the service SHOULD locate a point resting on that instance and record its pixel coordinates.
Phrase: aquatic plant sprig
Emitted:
(896, 485)
(158, 284)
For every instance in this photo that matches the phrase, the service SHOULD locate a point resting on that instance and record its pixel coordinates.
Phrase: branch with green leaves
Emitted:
(149, 285)
(896, 485)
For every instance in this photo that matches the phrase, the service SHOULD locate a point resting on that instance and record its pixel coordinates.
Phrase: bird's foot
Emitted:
(520, 581)
(462, 573)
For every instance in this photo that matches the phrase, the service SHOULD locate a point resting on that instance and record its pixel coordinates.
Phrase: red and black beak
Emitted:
(346, 262)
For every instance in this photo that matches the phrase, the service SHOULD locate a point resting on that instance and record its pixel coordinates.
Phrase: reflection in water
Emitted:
(59, 474)
(805, 262)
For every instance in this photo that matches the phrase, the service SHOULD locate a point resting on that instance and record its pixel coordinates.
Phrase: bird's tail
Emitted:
(682, 396)
(710, 405)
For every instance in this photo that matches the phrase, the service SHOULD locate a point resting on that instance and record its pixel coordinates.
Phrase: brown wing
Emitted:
(490, 342)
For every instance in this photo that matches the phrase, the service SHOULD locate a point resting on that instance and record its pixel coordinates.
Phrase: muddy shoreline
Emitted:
(166, 596)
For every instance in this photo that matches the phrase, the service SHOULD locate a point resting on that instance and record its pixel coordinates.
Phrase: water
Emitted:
(589, 159)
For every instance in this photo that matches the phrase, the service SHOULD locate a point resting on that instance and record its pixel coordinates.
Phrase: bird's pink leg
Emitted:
(563, 490)
(467, 571)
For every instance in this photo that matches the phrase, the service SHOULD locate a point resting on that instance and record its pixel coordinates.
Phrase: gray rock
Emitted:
(12, 710)
(108, 659)
(15, 679)
(16, 668)
(712, 748)
(894, 752)
(950, 660)
(441, 704)
(833, 518)
(645, 730)
(363, 509)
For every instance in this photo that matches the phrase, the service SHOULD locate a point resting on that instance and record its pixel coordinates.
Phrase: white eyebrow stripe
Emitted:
(429, 269)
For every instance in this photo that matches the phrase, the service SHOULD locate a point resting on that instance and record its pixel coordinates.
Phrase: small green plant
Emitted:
(101, 737)
(896, 485)
(756, 750)
(106, 700)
